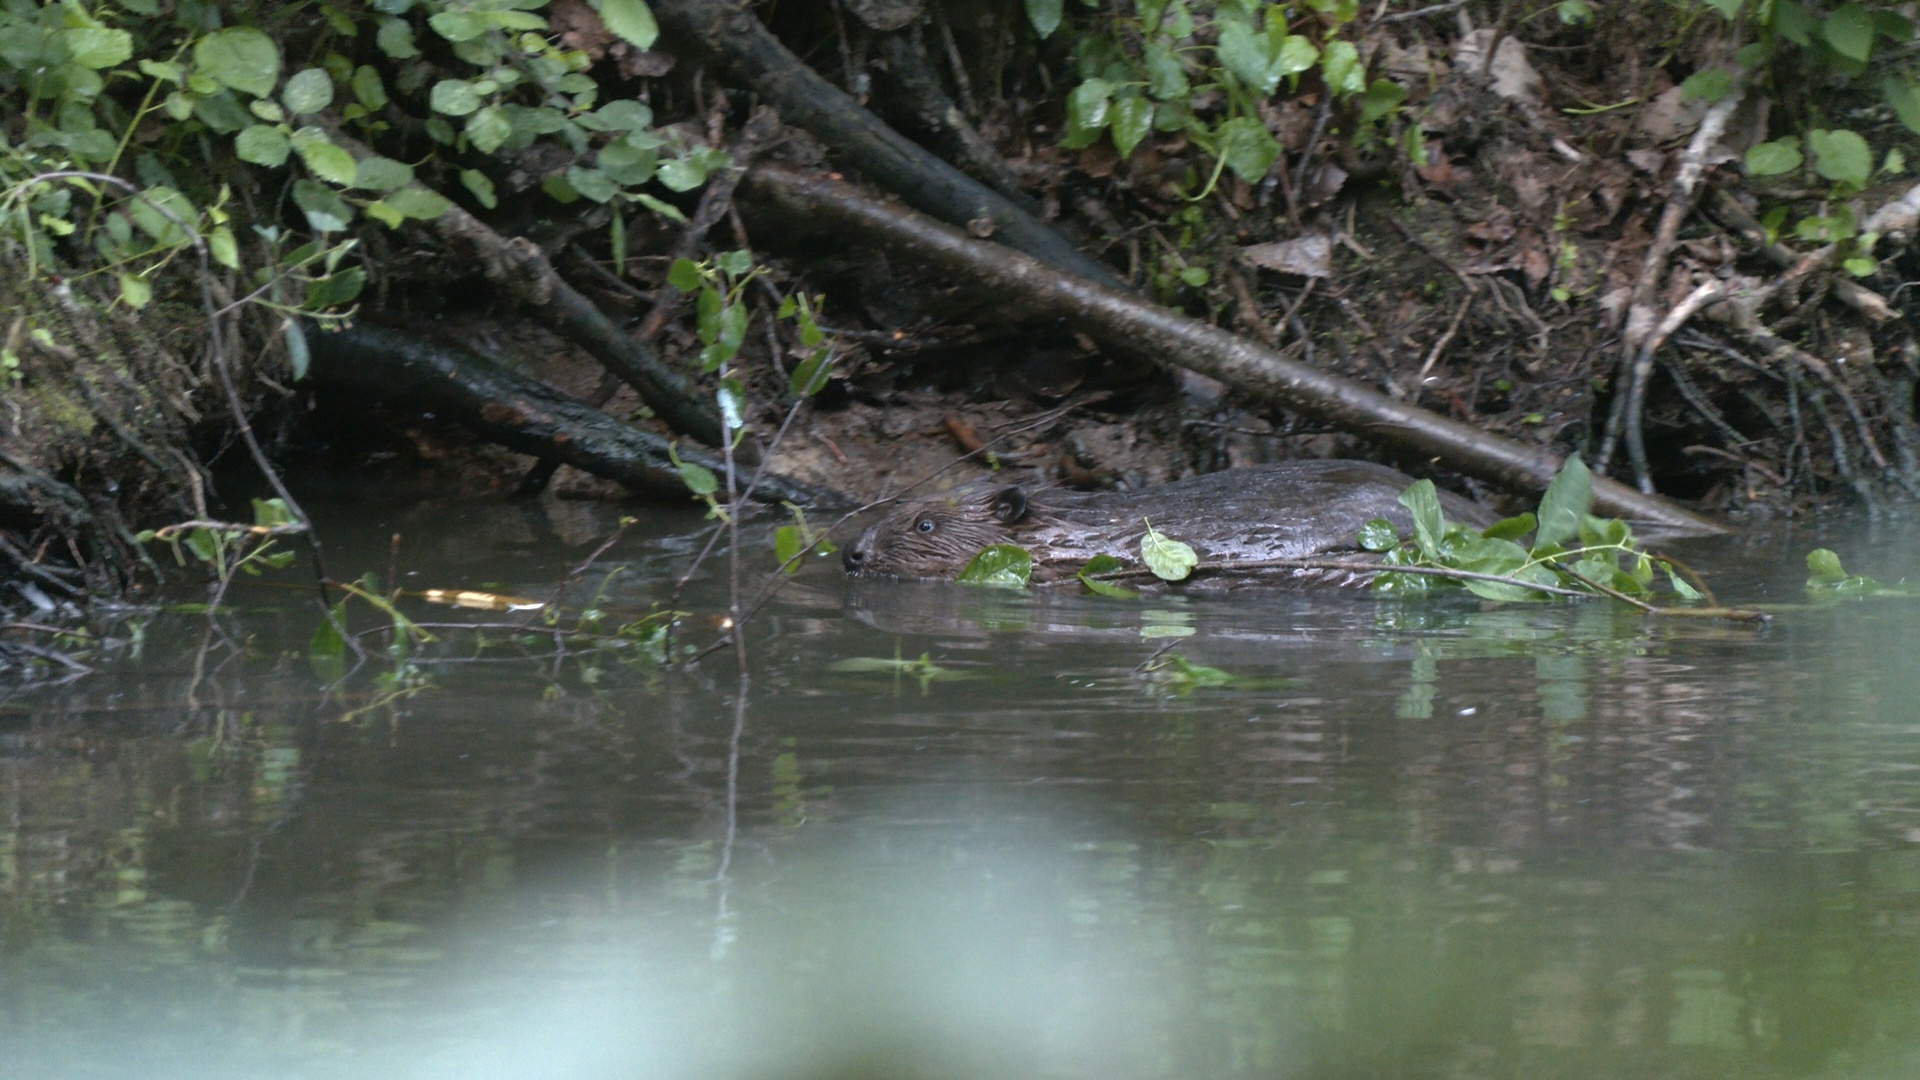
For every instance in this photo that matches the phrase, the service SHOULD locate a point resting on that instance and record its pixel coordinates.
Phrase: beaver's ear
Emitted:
(1009, 505)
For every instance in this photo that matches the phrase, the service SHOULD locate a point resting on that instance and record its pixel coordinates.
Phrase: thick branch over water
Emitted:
(517, 412)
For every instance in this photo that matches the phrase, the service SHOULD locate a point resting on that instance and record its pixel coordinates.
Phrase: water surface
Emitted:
(1426, 838)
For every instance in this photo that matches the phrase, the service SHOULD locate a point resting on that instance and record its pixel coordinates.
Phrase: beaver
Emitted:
(1288, 510)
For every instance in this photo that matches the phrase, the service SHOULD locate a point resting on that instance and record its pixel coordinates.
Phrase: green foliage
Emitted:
(227, 548)
(1203, 67)
(790, 542)
(1002, 566)
(1571, 548)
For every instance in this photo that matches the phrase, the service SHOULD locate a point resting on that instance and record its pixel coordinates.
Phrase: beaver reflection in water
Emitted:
(1289, 510)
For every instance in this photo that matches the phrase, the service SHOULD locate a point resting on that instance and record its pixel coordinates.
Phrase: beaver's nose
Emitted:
(853, 557)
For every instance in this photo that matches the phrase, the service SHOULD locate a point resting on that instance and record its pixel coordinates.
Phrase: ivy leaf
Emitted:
(1002, 566)
(1170, 560)
(1104, 564)
(632, 20)
(1774, 158)
(1850, 31)
(1045, 16)
(1565, 504)
(237, 57)
(262, 145)
(308, 91)
(1841, 156)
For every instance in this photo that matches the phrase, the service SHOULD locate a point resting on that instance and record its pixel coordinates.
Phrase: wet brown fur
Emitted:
(1288, 510)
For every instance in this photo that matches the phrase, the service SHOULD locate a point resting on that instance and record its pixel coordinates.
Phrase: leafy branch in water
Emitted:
(1828, 580)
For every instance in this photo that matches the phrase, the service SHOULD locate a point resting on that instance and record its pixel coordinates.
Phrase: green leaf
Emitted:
(459, 26)
(481, 186)
(1824, 568)
(1681, 587)
(1248, 148)
(325, 210)
(1905, 101)
(682, 173)
(1343, 69)
(664, 209)
(1379, 535)
(1861, 266)
(262, 145)
(1850, 31)
(1565, 505)
(1170, 560)
(1512, 528)
(1429, 524)
(1249, 54)
(164, 227)
(625, 114)
(1087, 113)
(336, 290)
(1166, 79)
(454, 97)
(734, 263)
(223, 248)
(299, 356)
(1707, 84)
(368, 89)
(1297, 54)
(1002, 566)
(1104, 564)
(698, 478)
(488, 128)
(1045, 16)
(241, 58)
(1774, 158)
(1841, 156)
(326, 644)
(419, 203)
(1728, 9)
(325, 160)
(396, 39)
(1574, 12)
(684, 275)
(98, 48)
(811, 374)
(1132, 119)
(308, 91)
(592, 183)
(386, 215)
(631, 20)
(378, 173)
(1194, 276)
(1383, 96)
(135, 291)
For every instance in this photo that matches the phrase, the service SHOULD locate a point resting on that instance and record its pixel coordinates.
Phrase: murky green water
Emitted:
(1410, 840)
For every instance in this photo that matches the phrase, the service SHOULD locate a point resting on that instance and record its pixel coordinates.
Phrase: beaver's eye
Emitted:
(926, 525)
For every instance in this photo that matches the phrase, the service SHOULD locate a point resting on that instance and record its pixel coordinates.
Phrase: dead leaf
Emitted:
(886, 16)
(1534, 262)
(1309, 255)
(1496, 229)
(1322, 184)
(1438, 171)
(1099, 160)
(1668, 117)
(1513, 75)
(1649, 161)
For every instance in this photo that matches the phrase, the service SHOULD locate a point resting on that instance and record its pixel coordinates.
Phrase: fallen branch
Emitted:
(519, 413)
(1126, 321)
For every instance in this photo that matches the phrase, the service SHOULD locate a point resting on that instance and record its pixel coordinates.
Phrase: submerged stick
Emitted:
(1124, 320)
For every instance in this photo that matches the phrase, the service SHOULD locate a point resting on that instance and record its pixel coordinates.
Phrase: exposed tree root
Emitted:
(1123, 320)
(925, 182)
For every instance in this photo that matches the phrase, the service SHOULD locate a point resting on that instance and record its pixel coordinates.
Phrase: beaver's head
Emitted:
(935, 537)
